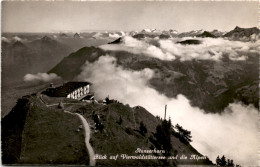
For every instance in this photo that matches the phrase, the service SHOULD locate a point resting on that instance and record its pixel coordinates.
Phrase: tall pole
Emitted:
(165, 112)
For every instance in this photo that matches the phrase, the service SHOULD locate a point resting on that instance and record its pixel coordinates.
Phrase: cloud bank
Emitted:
(135, 46)
(209, 49)
(233, 133)
(40, 77)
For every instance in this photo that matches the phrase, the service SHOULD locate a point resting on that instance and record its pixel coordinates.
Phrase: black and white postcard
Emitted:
(130, 83)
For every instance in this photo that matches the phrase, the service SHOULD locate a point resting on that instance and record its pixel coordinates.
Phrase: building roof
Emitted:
(65, 89)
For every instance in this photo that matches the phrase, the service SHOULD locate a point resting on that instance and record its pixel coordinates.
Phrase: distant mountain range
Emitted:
(237, 32)
(233, 34)
(20, 58)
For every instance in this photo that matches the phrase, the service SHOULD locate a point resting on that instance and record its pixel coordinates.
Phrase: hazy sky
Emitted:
(80, 16)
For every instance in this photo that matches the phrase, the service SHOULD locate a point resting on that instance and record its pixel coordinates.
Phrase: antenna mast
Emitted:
(165, 112)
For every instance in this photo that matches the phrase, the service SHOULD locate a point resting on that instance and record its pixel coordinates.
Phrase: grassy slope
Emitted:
(126, 138)
(49, 137)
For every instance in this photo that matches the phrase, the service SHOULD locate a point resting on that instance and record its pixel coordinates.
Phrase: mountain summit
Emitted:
(242, 32)
(206, 34)
(37, 132)
(117, 41)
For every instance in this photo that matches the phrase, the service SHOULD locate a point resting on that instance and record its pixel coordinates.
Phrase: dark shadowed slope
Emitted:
(35, 134)
(71, 65)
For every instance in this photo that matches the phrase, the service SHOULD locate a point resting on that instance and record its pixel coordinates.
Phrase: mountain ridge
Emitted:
(54, 128)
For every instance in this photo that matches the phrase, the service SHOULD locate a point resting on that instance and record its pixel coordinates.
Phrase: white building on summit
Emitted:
(79, 92)
(72, 90)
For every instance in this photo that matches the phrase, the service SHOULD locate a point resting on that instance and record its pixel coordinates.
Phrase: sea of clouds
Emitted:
(232, 133)
(170, 49)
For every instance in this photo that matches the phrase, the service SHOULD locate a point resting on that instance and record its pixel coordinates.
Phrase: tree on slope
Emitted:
(184, 135)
